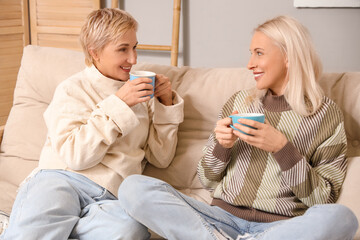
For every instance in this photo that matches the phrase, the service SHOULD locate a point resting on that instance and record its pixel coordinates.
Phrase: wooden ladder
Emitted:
(174, 47)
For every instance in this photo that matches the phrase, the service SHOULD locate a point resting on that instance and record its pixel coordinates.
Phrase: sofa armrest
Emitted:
(1, 132)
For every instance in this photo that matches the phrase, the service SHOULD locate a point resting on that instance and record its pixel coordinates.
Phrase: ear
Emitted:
(286, 62)
(94, 54)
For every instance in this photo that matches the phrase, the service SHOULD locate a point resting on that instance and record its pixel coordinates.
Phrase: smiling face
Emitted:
(268, 64)
(117, 57)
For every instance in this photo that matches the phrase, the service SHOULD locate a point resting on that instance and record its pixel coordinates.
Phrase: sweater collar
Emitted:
(274, 103)
(105, 86)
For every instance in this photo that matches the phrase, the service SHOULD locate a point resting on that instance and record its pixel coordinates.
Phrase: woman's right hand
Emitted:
(135, 91)
(224, 133)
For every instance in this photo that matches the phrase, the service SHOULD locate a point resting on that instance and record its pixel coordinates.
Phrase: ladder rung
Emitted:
(154, 47)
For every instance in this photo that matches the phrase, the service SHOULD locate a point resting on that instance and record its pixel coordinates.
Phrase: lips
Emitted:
(126, 69)
(257, 75)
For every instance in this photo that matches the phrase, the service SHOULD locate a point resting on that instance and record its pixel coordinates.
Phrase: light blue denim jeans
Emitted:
(174, 215)
(56, 204)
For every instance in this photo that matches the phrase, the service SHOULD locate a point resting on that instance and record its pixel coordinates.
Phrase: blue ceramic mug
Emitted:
(144, 74)
(260, 117)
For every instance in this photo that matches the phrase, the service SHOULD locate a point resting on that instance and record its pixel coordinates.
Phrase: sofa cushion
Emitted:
(7, 196)
(42, 69)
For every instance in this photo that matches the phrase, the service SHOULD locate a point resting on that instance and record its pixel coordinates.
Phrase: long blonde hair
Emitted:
(302, 92)
(103, 26)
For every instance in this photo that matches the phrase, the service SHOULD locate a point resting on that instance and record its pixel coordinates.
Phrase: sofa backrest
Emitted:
(204, 90)
(344, 89)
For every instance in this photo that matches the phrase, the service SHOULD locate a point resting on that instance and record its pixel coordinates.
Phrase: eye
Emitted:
(122, 49)
(259, 53)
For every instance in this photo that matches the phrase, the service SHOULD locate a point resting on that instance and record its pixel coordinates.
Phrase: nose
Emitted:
(132, 57)
(251, 64)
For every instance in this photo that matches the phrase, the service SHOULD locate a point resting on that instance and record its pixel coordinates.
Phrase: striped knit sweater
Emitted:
(260, 186)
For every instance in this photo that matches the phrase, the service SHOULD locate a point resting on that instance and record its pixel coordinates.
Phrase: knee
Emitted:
(346, 216)
(341, 215)
(339, 211)
(134, 185)
(130, 183)
(137, 190)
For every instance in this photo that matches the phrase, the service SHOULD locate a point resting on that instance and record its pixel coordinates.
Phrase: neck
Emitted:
(275, 103)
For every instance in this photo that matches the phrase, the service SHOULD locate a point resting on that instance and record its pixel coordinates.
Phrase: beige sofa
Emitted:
(204, 92)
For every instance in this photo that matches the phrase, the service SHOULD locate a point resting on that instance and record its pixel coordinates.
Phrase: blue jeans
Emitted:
(174, 215)
(56, 204)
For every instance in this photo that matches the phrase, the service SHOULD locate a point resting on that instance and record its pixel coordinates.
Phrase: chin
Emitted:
(122, 77)
(259, 87)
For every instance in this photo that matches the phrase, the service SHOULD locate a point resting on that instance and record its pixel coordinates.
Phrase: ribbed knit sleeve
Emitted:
(212, 166)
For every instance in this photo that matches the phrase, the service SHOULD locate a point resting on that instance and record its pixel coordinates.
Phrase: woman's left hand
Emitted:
(264, 136)
(163, 90)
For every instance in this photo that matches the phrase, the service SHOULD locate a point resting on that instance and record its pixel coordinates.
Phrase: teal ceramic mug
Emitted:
(144, 74)
(260, 117)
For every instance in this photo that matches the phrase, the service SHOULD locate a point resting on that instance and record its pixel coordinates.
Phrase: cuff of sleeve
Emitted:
(173, 114)
(120, 113)
(221, 153)
(288, 156)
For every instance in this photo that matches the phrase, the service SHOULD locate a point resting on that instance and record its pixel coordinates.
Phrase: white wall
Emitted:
(217, 33)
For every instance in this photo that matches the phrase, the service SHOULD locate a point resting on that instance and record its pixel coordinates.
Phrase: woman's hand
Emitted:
(163, 90)
(224, 133)
(135, 91)
(264, 136)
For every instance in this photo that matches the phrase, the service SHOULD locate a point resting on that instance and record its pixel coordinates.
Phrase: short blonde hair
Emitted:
(102, 27)
(302, 92)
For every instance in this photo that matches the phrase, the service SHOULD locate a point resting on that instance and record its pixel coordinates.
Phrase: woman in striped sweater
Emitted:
(282, 178)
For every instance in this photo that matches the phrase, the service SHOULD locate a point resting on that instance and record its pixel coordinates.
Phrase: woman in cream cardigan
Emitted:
(281, 179)
(101, 129)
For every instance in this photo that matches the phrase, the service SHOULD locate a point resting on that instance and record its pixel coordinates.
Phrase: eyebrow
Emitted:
(126, 44)
(256, 49)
